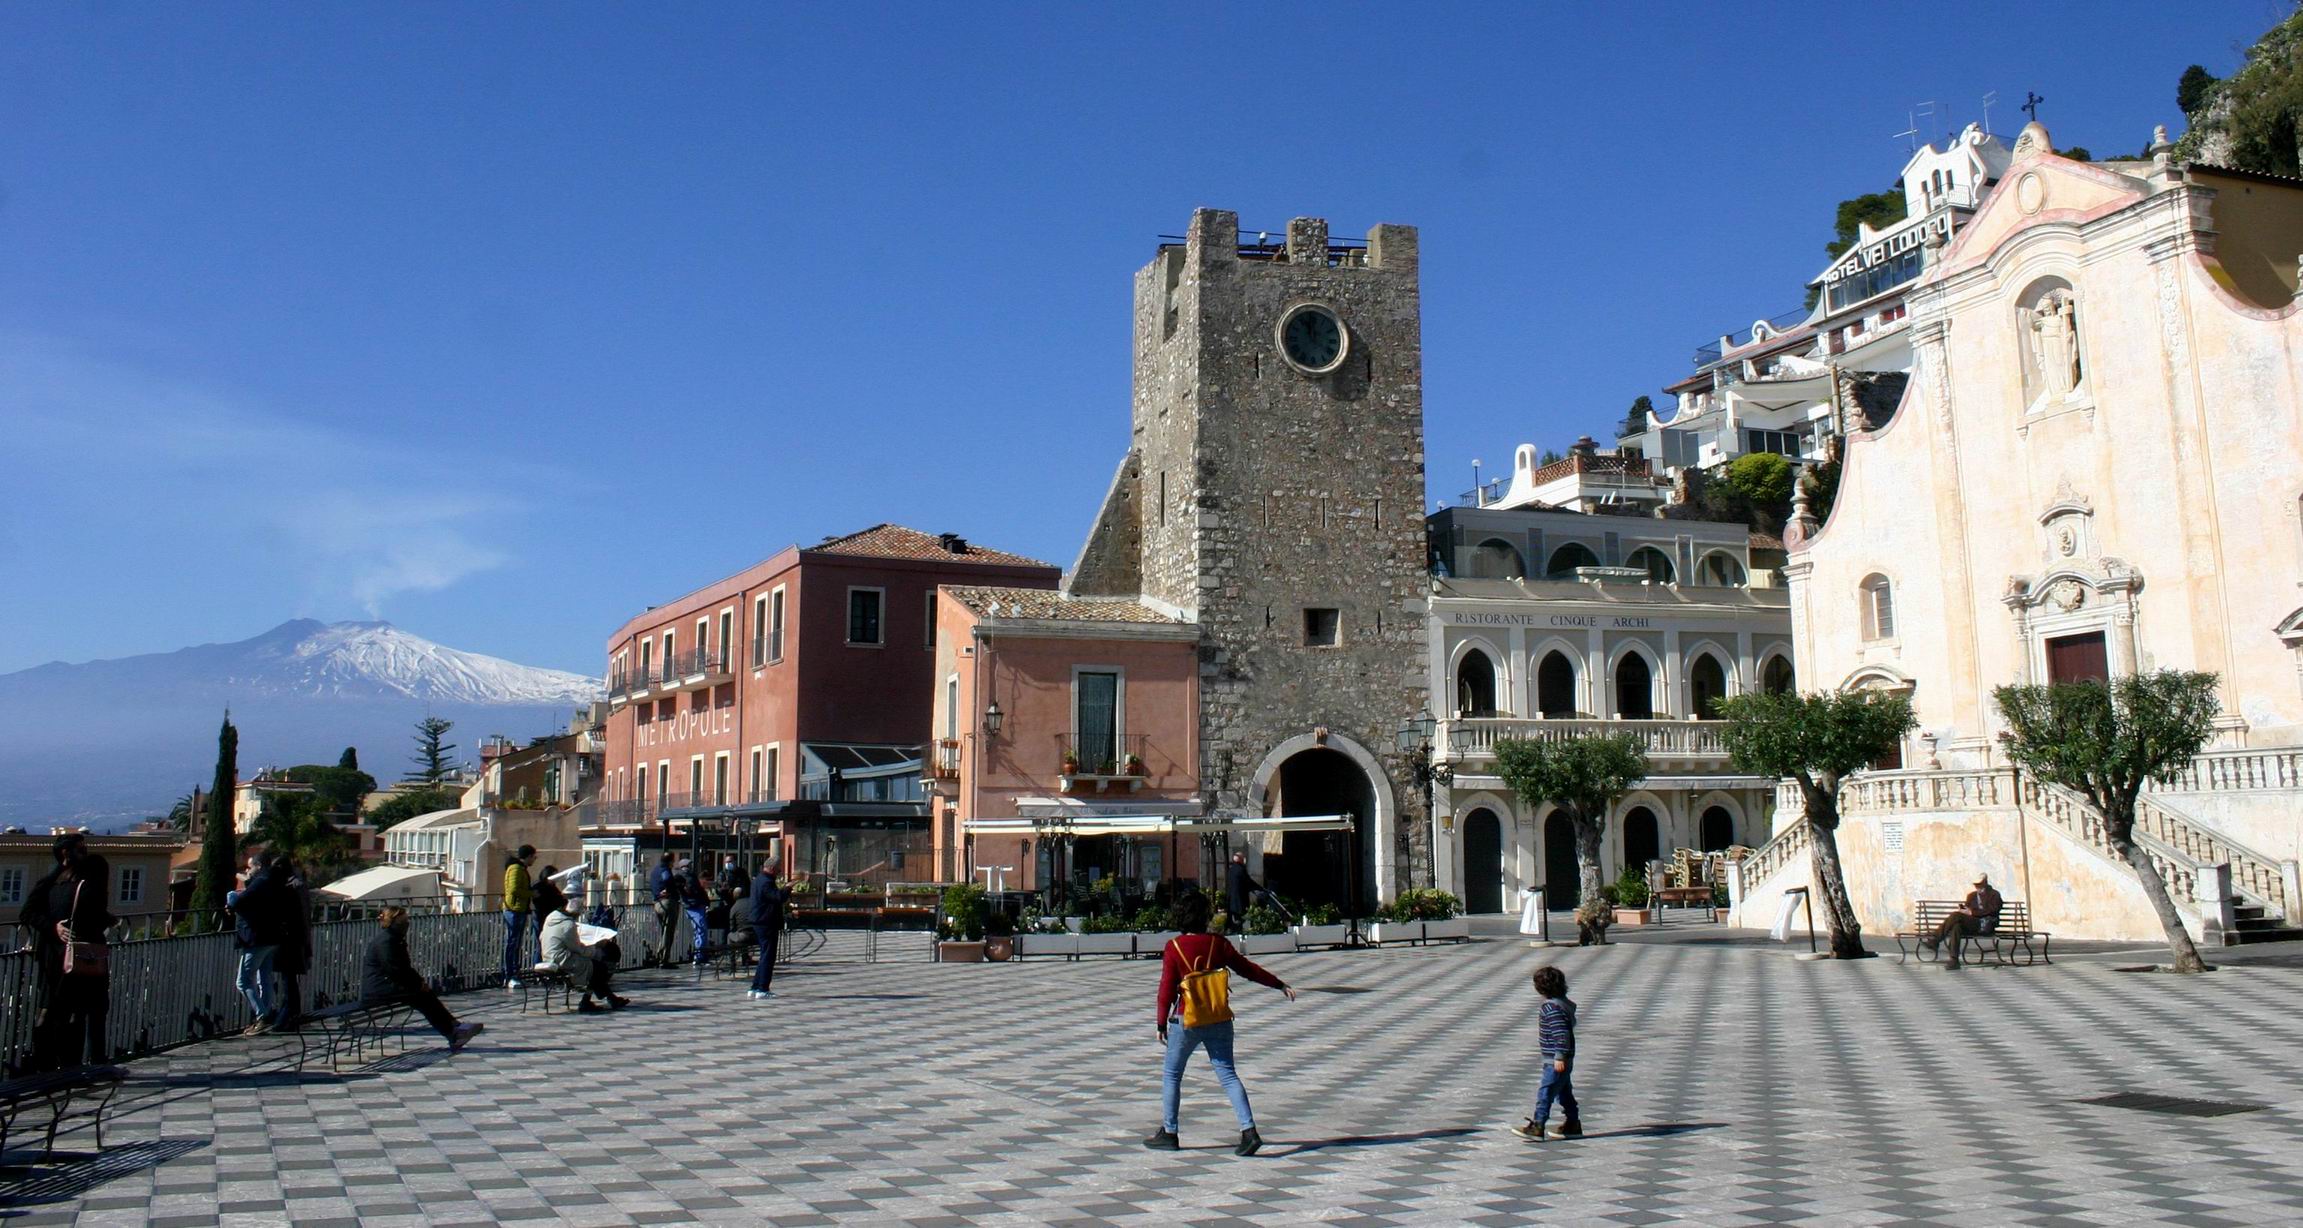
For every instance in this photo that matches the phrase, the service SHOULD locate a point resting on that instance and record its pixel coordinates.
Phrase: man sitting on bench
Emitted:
(1978, 914)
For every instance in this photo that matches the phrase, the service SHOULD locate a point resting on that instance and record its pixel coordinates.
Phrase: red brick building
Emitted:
(791, 699)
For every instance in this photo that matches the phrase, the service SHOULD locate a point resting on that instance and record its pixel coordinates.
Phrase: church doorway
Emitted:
(1641, 841)
(1559, 874)
(1482, 862)
(1324, 867)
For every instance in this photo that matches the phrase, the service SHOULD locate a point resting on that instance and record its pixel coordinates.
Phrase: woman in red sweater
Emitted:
(1197, 951)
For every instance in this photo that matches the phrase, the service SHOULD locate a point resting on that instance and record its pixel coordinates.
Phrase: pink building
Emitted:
(1053, 713)
(791, 699)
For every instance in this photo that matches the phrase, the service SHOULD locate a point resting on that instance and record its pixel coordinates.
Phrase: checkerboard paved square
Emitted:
(1722, 1085)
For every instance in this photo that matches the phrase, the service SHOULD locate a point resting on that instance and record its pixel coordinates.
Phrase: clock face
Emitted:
(1312, 339)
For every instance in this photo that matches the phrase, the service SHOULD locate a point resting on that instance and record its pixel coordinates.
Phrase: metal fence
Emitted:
(168, 991)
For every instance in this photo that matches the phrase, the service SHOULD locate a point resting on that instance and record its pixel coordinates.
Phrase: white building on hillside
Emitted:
(1794, 384)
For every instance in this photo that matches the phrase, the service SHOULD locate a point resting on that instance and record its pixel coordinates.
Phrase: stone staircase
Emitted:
(2225, 889)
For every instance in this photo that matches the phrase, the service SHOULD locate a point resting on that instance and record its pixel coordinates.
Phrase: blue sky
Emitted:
(502, 322)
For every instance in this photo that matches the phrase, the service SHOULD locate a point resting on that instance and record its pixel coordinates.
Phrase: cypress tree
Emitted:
(219, 856)
(350, 760)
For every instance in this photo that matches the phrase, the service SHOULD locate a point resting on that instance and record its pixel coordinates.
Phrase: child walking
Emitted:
(1555, 1030)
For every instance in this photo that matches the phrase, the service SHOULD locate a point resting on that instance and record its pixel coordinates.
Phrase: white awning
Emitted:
(1150, 824)
(385, 883)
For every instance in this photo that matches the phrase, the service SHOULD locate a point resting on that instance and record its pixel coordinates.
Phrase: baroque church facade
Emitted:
(2097, 470)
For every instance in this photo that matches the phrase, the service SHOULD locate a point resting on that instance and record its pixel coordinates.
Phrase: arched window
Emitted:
(1776, 678)
(1720, 571)
(1634, 688)
(1567, 558)
(1496, 559)
(1652, 561)
(1475, 685)
(1716, 830)
(1555, 686)
(1878, 608)
(1706, 686)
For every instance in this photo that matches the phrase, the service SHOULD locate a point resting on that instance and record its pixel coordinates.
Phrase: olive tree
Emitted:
(2105, 742)
(1583, 776)
(1816, 741)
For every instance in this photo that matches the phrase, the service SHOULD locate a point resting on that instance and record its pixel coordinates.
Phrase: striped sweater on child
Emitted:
(1555, 1027)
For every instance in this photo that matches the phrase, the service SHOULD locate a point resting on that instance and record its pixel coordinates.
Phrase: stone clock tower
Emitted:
(1273, 494)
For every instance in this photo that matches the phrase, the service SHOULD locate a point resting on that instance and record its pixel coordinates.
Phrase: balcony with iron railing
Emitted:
(1098, 763)
(704, 666)
(944, 760)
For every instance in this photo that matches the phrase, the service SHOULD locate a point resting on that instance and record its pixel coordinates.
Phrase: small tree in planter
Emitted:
(1582, 775)
(1817, 740)
(2106, 742)
(965, 910)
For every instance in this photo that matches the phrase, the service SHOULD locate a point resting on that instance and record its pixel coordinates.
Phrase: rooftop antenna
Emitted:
(1923, 110)
(1988, 100)
(1912, 131)
(2031, 103)
(1478, 496)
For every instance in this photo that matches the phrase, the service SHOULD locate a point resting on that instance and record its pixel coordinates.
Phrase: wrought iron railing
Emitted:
(1102, 755)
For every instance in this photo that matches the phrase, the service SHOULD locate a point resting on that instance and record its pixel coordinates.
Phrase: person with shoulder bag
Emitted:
(1195, 990)
(71, 1028)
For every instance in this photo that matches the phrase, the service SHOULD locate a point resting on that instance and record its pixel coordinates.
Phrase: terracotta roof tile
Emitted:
(1049, 605)
(894, 541)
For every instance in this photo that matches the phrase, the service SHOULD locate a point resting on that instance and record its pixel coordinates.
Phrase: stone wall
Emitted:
(1267, 491)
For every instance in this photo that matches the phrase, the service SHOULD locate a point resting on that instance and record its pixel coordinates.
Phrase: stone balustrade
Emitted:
(1476, 736)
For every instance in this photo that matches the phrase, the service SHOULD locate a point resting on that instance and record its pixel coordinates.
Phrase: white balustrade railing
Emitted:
(1477, 735)
(2233, 770)
(1899, 792)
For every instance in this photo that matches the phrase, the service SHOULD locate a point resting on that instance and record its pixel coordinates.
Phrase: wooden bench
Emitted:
(354, 1028)
(83, 1091)
(2012, 932)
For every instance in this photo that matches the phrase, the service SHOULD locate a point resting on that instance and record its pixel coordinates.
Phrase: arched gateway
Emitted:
(1318, 774)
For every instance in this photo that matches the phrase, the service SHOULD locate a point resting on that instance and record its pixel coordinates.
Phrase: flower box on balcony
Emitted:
(1097, 782)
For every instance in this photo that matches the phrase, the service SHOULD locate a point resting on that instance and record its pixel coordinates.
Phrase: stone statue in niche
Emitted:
(2054, 322)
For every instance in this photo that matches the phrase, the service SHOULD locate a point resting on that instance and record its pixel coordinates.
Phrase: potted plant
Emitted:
(999, 936)
(1107, 935)
(1154, 930)
(1422, 914)
(1071, 763)
(1591, 922)
(1631, 899)
(965, 908)
(1721, 906)
(1263, 931)
(1134, 766)
(1322, 927)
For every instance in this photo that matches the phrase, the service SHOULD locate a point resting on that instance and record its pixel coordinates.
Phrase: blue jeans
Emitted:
(1557, 1085)
(515, 942)
(257, 979)
(697, 920)
(1180, 1042)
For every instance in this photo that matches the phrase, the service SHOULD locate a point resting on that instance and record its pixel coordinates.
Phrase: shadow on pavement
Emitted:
(1296, 1147)
(1655, 1130)
(71, 1176)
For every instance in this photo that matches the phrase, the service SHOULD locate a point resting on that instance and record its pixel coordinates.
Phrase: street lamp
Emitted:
(993, 719)
(1415, 743)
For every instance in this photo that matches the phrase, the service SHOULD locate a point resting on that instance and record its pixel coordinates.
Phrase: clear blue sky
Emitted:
(502, 322)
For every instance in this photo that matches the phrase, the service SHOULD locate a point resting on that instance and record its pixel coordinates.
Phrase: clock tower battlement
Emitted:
(1273, 487)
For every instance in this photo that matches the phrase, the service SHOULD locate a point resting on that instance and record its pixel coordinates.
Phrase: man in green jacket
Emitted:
(517, 898)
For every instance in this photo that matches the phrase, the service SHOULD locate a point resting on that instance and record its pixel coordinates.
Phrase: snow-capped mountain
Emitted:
(124, 737)
(310, 658)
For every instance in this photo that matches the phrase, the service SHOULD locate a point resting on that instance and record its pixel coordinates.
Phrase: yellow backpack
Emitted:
(1206, 994)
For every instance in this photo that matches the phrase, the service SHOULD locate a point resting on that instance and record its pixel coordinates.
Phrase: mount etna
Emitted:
(103, 743)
